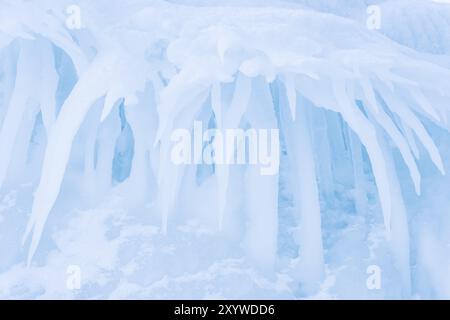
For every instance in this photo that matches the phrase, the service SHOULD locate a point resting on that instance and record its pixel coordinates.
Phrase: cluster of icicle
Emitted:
(166, 64)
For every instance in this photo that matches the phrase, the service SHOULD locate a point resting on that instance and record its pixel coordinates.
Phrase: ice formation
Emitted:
(86, 116)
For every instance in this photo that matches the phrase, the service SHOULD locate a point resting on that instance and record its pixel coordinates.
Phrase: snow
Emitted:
(360, 117)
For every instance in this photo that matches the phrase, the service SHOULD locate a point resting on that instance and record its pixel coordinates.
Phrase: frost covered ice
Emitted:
(91, 92)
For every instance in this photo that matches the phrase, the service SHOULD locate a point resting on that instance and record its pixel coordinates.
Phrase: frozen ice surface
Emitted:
(91, 205)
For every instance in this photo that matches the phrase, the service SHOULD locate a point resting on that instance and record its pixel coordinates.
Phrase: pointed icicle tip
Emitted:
(291, 94)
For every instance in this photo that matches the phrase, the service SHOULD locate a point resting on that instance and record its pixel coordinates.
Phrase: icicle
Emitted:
(411, 120)
(216, 103)
(27, 69)
(424, 103)
(221, 170)
(169, 183)
(17, 168)
(239, 103)
(143, 121)
(324, 161)
(108, 133)
(306, 195)
(262, 190)
(91, 86)
(340, 157)
(370, 94)
(48, 83)
(291, 94)
(399, 240)
(366, 133)
(174, 97)
(230, 119)
(170, 174)
(91, 124)
(360, 190)
(7, 83)
(411, 140)
(391, 129)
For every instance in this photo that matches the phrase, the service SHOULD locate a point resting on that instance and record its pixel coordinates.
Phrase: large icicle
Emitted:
(92, 85)
(408, 118)
(306, 194)
(391, 129)
(27, 73)
(367, 134)
(262, 190)
(228, 118)
(399, 240)
(170, 174)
